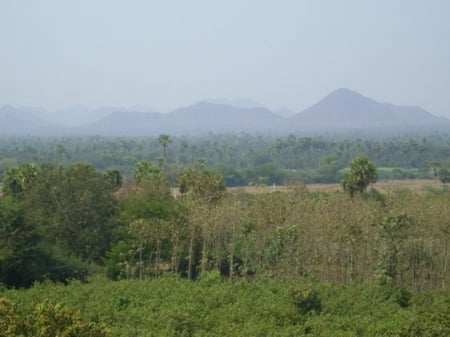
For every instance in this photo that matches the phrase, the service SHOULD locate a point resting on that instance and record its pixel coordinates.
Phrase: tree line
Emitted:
(242, 159)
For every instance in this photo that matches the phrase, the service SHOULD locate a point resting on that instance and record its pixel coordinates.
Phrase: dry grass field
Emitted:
(382, 186)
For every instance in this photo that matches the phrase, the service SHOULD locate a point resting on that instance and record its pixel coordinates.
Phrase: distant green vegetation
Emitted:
(392, 173)
(242, 159)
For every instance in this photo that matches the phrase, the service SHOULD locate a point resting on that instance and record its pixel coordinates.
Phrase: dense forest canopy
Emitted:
(242, 159)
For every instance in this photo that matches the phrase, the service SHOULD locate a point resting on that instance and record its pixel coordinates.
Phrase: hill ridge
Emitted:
(342, 109)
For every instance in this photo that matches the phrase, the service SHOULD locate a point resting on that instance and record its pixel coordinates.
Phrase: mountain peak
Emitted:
(347, 96)
(344, 91)
(16, 121)
(7, 109)
(345, 108)
(242, 103)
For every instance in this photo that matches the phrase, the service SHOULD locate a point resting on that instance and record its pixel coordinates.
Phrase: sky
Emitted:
(170, 53)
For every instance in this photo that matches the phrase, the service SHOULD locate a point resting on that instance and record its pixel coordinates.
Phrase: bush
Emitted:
(46, 320)
(306, 299)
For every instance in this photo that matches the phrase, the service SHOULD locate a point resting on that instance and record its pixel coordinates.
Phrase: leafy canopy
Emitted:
(362, 173)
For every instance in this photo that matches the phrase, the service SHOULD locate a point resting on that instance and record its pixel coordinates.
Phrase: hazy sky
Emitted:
(170, 53)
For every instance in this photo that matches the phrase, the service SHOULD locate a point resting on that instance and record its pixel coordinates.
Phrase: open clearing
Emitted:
(382, 186)
(416, 185)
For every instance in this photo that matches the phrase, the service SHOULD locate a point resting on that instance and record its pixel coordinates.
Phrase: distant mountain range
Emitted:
(341, 110)
(18, 121)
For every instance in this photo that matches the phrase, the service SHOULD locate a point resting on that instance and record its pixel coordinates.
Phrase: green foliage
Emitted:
(19, 179)
(265, 174)
(145, 170)
(201, 184)
(211, 277)
(430, 318)
(172, 306)
(117, 260)
(78, 204)
(26, 255)
(397, 173)
(444, 175)
(151, 200)
(231, 176)
(148, 215)
(58, 222)
(307, 159)
(114, 177)
(21, 257)
(393, 231)
(375, 195)
(362, 173)
(46, 320)
(399, 294)
(164, 140)
(69, 218)
(306, 299)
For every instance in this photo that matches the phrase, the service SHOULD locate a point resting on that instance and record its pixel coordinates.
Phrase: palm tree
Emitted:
(164, 140)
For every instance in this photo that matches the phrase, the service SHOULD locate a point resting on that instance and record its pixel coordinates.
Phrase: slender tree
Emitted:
(164, 140)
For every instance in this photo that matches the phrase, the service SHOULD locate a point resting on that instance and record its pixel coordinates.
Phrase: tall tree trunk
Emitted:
(231, 259)
(444, 269)
(204, 261)
(158, 257)
(191, 254)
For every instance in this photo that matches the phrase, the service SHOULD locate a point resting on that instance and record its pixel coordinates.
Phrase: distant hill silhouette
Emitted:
(199, 118)
(125, 123)
(345, 108)
(284, 112)
(237, 103)
(206, 116)
(15, 121)
(339, 111)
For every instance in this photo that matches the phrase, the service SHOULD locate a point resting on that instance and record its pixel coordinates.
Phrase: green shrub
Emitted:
(306, 299)
(46, 320)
